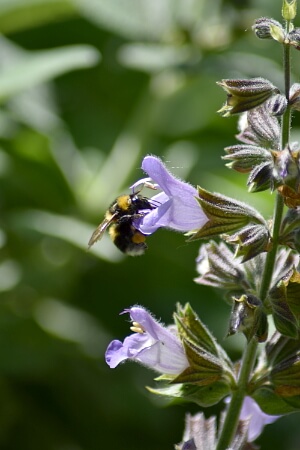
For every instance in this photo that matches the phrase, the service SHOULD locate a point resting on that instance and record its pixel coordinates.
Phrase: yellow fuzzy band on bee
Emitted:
(113, 232)
(123, 202)
(138, 238)
(108, 216)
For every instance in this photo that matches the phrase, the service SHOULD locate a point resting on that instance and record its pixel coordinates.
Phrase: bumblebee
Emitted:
(119, 221)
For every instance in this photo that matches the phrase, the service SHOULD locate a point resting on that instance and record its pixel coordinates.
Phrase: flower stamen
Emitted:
(137, 328)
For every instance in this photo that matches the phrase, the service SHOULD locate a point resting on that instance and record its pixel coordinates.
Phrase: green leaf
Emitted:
(285, 322)
(192, 329)
(38, 67)
(132, 19)
(215, 228)
(152, 57)
(270, 403)
(204, 368)
(293, 293)
(280, 347)
(284, 319)
(286, 375)
(17, 15)
(225, 214)
(201, 395)
(294, 402)
(209, 361)
(179, 110)
(29, 349)
(69, 229)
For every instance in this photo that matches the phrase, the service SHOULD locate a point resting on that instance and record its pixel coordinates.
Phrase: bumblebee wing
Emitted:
(100, 230)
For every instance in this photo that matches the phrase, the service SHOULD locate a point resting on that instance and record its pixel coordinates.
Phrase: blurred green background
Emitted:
(87, 88)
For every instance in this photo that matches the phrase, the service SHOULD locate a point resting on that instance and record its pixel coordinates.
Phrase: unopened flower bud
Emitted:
(277, 105)
(289, 9)
(284, 319)
(266, 28)
(261, 128)
(198, 431)
(290, 234)
(294, 38)
(262, 177)
(247, 317)
(254, 159)
(243, 95)
(202, 434)
(218, 268)
(294, 100)
(287, 164)
(251, 241)
(246, 157)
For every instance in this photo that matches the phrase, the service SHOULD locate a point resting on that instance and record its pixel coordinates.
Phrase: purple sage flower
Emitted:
(257, 418)
(177, 207)
(152, 345)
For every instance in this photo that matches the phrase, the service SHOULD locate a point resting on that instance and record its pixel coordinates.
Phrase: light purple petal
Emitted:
(178, 209)
(157, 348)
(158, 172)
(117, 351)
(148, 323)
(258, 418)
(163, 358)
(157, 218)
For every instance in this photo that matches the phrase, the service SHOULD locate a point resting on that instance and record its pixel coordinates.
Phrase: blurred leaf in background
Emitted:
(87, 88)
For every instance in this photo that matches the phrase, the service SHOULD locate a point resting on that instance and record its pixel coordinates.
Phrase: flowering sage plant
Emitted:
(253, 261)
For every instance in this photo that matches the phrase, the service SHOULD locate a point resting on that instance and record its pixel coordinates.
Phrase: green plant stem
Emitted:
(233, 413)
(271, 256)
(287, 67)
(236, 401)
(279, 204)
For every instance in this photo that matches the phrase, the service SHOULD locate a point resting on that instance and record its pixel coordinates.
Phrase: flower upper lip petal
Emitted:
(157, 171)
(178, 208)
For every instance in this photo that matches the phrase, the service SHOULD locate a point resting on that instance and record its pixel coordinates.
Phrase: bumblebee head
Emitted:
(124, 202)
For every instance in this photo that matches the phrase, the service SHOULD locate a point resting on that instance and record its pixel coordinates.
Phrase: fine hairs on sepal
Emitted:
(266, 28)
(243, 95)
(259, 127)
